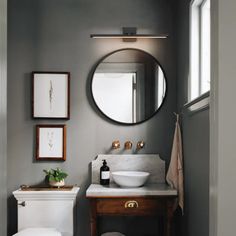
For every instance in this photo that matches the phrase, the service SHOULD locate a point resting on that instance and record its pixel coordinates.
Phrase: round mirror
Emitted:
(129, 86)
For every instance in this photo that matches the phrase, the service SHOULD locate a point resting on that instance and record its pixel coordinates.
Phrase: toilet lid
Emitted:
(38, 232)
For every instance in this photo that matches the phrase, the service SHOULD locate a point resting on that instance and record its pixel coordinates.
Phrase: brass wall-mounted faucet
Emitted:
(128, 145)
(140, 145)
(115, 144)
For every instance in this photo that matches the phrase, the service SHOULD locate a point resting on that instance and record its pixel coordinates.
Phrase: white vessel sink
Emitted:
(130, 179)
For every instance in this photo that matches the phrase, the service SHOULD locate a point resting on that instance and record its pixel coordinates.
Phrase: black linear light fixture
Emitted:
(129, 35)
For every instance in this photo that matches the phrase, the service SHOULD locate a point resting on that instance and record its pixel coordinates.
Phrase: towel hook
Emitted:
(177, 116)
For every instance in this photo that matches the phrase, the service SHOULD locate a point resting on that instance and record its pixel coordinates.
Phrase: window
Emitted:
(199, 48)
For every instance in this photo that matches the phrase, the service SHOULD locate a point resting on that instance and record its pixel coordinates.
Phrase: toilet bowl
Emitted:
(38, 232)
(46, 213)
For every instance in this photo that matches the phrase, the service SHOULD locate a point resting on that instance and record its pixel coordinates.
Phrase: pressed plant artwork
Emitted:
(51, 95)
(51, 142)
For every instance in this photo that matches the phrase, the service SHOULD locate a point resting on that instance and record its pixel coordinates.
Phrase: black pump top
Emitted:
(104, 162)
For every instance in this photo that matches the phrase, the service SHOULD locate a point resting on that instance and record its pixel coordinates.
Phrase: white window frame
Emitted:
(195, 90)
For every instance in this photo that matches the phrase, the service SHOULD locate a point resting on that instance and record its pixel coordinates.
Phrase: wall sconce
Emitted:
(115, 144)
(129, 35)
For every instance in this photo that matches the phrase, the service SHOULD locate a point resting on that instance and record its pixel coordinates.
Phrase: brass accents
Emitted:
(115, 144)
(131, 204)
(140, 145)
(128, 145)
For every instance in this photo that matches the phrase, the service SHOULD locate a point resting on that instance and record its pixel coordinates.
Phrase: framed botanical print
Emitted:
(51, 95)
(51, 142)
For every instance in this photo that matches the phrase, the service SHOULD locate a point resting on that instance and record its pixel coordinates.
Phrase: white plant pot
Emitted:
(57, 184)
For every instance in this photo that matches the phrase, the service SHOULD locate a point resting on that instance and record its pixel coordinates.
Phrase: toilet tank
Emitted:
(51, 209)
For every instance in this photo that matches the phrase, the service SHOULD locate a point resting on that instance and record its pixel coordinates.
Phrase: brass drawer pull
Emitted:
(131, 204)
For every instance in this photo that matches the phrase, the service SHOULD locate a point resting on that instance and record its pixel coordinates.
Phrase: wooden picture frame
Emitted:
(51, 142)
(50, 95)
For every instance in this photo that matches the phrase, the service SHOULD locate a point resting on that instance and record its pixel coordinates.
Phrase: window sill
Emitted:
(200, 103)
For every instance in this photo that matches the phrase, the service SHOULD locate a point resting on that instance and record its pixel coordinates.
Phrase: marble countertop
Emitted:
(113, 190)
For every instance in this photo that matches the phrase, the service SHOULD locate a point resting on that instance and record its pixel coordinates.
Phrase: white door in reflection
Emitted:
(116, 95)
(161, 87)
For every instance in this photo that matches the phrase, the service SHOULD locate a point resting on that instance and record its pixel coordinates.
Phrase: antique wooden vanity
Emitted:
(154, 199)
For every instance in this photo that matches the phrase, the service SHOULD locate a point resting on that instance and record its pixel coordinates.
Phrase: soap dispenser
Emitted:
(104, 174)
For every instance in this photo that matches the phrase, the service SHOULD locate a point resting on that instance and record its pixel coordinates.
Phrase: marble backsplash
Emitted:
(151, 163)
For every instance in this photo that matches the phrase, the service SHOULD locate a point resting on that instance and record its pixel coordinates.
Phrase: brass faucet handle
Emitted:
(128, 145)
(115, 144)
(140, 145)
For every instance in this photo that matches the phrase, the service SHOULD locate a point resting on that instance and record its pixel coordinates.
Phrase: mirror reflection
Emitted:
(129, 86)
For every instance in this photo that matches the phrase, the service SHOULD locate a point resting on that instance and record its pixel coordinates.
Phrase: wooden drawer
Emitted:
(131, 206)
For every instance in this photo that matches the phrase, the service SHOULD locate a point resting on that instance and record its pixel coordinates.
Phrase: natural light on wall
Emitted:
(199, 48)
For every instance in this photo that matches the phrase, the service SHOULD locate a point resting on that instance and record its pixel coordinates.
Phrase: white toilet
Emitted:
(46, 213)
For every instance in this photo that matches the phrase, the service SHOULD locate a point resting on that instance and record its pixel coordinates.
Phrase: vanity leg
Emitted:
(93, 217)
(169, 218)
(161, 225)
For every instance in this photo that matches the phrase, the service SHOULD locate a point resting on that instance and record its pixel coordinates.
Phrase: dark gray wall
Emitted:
(3, 117)
(195, 140)
(54, 36)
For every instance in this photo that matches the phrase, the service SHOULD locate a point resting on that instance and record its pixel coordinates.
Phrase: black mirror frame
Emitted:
(91, 91)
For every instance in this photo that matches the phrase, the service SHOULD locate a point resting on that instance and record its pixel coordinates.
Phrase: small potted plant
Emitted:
(55, 177)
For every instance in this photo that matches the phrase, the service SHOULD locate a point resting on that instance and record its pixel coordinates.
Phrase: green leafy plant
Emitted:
(56, 175)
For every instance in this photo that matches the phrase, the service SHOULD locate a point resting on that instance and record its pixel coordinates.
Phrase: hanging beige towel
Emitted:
(174, 175)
